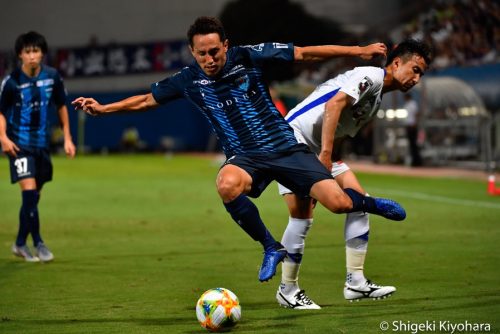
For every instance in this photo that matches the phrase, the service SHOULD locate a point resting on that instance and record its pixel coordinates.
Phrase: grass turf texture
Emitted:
(137, 239)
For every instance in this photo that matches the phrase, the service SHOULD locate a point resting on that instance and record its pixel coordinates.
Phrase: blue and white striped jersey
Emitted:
(26, 102)
(236, 102)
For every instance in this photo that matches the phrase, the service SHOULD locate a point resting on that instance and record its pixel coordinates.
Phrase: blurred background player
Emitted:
(28, 95)
(411, 125)
(278, 102)
(226, 85)
(338, 108)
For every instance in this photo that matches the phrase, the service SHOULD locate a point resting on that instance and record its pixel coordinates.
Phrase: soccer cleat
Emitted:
(43, 253)
(389, 209)
(271, 260)
(367, 290)
(298, 300)
(24, 252)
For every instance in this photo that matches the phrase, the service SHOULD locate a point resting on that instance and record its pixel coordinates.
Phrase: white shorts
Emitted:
(338, 168)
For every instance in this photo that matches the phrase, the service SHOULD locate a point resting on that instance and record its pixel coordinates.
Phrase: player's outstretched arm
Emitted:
(323, 52)
(133, 103)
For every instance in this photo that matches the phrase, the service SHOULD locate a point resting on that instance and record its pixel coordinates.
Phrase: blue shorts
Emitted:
(31, 163)
(298, 169)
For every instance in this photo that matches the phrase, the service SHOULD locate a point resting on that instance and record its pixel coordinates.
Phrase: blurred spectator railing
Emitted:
(114, 59)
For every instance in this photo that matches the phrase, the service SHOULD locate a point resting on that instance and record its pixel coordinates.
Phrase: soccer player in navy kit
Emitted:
(226, 85)
(27, 97)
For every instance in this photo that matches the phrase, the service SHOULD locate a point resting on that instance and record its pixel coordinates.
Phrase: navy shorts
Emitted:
(31, 163)
(297, 169)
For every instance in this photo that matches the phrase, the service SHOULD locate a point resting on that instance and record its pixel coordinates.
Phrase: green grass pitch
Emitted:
(137, 239)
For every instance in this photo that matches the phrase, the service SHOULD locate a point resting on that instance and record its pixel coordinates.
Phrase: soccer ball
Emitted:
(218, 310)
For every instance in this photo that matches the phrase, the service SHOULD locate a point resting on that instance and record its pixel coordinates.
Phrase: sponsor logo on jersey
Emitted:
(36, 105)
(229, 102)
(45, 82)
(203, 82)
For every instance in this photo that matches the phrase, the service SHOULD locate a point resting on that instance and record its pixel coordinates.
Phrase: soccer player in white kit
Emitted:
(338, 108)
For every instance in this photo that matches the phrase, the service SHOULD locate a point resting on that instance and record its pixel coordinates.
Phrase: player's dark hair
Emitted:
(28, 39)
(409, 47)
(205, 25)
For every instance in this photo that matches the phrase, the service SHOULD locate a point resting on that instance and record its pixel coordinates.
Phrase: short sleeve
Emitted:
(59, 93)
(363, 81)
(168, 89)
(6, 94)
(264, 52)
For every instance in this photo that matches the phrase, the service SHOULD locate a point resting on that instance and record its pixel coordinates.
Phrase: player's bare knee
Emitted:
(229, 187)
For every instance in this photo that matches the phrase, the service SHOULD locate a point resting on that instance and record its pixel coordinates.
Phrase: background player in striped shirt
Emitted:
(338, 108)
(28, 95)
(226, 85)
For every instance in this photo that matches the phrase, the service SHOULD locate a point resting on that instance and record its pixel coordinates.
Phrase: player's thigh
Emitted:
(27, 184)
(331, 196)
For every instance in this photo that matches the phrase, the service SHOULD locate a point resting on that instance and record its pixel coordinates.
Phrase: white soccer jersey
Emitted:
(363, 84)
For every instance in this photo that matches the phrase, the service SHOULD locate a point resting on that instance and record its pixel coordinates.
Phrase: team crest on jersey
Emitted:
(365, 84)
(243, 82)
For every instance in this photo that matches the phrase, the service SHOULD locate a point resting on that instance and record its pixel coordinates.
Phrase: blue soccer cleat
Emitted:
(389, 209)
(271, 260)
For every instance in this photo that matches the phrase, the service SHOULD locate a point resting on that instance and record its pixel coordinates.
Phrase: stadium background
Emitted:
(111, 51)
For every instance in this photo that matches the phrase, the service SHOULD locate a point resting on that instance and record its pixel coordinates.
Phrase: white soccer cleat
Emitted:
(297, 300)
(24, 252)
(43, 253)
(367, 290)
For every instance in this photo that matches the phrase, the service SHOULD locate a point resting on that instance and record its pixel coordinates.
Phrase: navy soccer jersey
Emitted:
(236, 102)
(27, 103)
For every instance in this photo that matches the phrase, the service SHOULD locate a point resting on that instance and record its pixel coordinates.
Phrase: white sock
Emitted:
(355, 260)
(356, 225)
(294, 242)
(289, 276)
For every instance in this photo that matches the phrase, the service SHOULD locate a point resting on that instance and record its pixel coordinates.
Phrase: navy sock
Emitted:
(361, 202)
(30, 214)
(246, 215)
(24, 229)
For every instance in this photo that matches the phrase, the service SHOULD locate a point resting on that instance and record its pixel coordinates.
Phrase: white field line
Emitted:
(434, 198)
